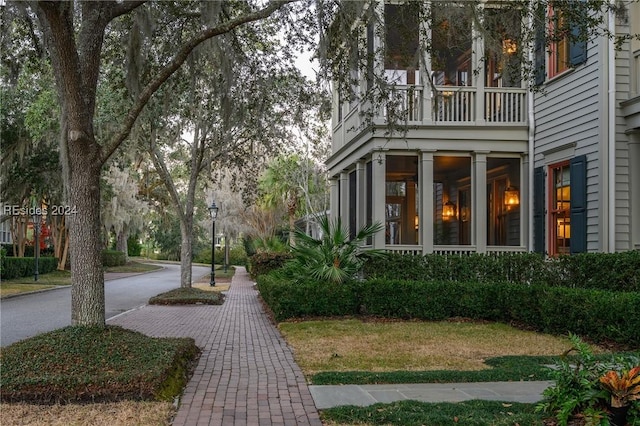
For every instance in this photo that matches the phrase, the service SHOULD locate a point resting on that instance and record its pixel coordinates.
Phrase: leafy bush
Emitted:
(3, 254)
(604, 271)
(237, 256)
(113, 258)
(264, 262)
(558, 310)
(16, 267)
(77, 363)
(307, 298)
(334, 257)
(577, 390)
(134, 248)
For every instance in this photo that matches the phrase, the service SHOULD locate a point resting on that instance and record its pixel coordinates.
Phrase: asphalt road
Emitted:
(31, 314)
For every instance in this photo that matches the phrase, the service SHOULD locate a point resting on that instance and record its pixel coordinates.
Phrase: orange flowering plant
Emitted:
(624, 387)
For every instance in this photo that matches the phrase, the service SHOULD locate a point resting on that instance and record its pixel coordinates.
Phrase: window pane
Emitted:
(401, 194)
(451, 46)
(452, 201)
(401, 43)
(561, 209)
(502, 52)
(503, 201)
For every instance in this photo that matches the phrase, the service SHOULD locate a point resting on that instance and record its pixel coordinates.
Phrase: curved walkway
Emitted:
(246, 374)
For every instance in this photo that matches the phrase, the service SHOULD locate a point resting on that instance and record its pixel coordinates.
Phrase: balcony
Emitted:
(458, 105)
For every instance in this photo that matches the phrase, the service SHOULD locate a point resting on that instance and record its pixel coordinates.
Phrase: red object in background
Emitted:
(44, 233)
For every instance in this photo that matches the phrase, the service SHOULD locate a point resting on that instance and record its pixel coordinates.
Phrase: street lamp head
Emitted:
(213, 210)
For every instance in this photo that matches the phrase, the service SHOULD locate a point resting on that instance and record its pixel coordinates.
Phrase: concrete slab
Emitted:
(363, 395)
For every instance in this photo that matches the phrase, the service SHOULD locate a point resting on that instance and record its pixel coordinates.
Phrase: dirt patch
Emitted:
(123, 413)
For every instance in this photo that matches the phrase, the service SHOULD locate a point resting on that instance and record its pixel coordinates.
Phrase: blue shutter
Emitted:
(577, 40)
(538, 210)
(539, 65)
(578, 170)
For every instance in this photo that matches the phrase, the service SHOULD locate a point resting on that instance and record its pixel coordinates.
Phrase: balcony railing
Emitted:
(505, 105)
(454, 104)
(449, 104)
(636, 70)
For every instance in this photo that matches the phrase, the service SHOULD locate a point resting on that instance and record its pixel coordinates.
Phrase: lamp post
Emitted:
(36, 244)
(213, 211)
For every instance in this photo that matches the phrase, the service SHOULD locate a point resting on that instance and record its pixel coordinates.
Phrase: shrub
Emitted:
(237, 256)
(134, 248)
(113, 258)
(557, 310)
(604, 271)
(79, 363)
(577, 390)
(335, 256)
(307, 298)
(16, 267)
(264, 262)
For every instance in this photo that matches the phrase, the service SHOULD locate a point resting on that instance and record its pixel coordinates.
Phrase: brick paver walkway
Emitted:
(246, 374)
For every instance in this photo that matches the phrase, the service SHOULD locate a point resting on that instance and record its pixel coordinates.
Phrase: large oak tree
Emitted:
(74, 34)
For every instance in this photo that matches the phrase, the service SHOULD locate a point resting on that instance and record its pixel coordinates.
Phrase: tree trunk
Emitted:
(186, 231)
(121, 242)
(62, 262)
(87, 274)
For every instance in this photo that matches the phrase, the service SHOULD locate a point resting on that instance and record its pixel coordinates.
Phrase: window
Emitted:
(560, 41)
(502, 53)
(564, 213)
(401, 43)
(401, 199)
(560, 209)
(451, 46)
(559, 44)
(503, 201)
(452, 200)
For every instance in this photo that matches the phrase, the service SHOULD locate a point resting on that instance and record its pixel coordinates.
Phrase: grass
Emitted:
(122, 413)
(386, 346)
(188, 296)
(409, 413)
(88, 364)
(133, 267)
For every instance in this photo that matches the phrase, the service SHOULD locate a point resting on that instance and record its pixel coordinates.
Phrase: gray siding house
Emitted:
(486, 164)
(586, 146)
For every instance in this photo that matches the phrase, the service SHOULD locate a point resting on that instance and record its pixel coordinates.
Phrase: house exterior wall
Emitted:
(576, 114)
(568, 123)
(572, 123)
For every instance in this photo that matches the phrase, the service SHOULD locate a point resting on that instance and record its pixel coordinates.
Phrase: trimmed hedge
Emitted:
(604, 271)
(113, 258)
(594, 314)
(16, 267)
(262, 263)
(237, 256)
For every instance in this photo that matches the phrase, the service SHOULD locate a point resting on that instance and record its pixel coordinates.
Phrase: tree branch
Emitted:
(176, 63)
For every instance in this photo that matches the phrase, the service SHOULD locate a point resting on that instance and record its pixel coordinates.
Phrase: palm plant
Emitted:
(333, 257)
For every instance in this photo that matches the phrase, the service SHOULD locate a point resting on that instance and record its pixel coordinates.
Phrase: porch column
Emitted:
(361, 200)
(634, 195)
(334, 198)
(379, 196)
(525, 207)
(426, 201)
(478, 80)
(479, 176)
(425, 67)
(344, 198)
